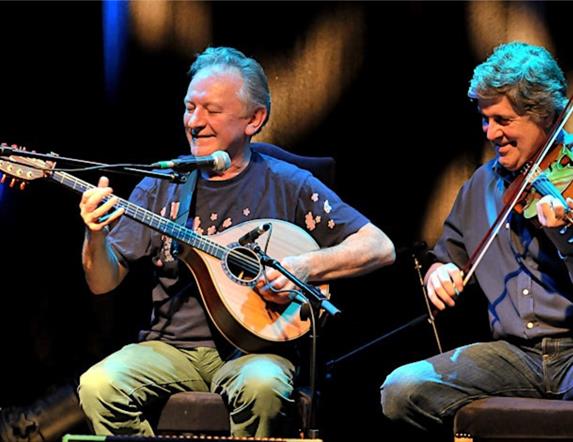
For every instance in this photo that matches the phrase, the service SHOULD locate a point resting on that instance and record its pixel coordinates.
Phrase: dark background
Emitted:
(394, 130)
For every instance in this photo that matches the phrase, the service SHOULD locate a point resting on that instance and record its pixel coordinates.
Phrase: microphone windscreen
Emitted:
(221, 161)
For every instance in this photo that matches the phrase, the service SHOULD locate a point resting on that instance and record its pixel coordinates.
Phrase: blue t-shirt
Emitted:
(267, 188)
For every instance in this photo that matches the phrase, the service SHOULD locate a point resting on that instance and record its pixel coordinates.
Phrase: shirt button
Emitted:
(530, 325)
(525, 292)
(507, 225)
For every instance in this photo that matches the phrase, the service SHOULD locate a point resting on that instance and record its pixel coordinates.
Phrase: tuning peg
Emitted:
(3, 178)
(12, 182)
(23, 185)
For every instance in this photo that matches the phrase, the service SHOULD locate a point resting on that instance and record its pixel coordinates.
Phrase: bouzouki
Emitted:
(225, 271)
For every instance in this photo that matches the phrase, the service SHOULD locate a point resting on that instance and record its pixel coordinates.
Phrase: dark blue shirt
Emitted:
(267, 188)
(526, 272)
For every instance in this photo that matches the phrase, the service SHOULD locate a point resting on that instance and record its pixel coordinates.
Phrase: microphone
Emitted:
(218, 161)
(251, 236)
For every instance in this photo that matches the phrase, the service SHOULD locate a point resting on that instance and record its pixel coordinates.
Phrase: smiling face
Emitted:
(217, 116)
(515, 137)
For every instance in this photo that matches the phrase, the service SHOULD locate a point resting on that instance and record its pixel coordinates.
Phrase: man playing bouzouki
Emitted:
(227, 102)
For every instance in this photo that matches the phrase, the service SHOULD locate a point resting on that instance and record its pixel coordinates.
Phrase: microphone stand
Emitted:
(426, 317)
(314, 300)
(175, 177)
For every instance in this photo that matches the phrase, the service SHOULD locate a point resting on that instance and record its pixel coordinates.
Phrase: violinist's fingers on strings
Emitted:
(550, 211)
(543, 210)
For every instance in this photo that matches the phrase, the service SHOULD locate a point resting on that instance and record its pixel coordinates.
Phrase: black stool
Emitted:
(514, 419)
(194, 412)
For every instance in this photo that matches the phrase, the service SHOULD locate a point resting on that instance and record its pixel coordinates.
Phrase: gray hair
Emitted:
(527, 75)
(255, 90)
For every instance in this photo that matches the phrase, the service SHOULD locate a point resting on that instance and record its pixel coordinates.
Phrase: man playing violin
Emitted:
(527, 271)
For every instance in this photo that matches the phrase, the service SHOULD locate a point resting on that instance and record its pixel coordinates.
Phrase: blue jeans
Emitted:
(427, 393)
(115, 392)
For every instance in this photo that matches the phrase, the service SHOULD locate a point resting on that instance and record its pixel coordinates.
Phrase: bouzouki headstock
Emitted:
(23, 169)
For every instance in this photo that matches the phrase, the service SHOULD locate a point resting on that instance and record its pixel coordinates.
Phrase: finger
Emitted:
(551, 203)
(445, 295)
(446, 290)
(111, 217)
(91, 194)
(544, 212)
(272, 274)
(559, 212)
(268, 295)
(93, 198)
(440, 290)
(102, 210)
(103, 181)
(556, 205)
(550, 211)
(434, 298)
(279, 283)
(266, 275)
(102, 222)
(457, 277)
(541, 217)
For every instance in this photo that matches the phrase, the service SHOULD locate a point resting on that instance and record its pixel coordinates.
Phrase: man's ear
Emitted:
(256, 121)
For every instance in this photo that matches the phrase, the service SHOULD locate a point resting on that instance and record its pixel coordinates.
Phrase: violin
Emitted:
(554, 176)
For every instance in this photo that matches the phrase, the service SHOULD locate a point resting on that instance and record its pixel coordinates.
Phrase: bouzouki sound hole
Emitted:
(242, 265)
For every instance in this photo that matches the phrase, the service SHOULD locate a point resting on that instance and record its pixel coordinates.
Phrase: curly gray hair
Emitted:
(527, 75)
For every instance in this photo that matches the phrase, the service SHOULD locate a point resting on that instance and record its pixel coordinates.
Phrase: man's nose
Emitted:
(492, 130)
(195, 121)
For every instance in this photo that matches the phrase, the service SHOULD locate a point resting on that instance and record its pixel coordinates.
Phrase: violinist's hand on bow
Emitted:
(444, 282)
(552, 213)
(297, 265)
